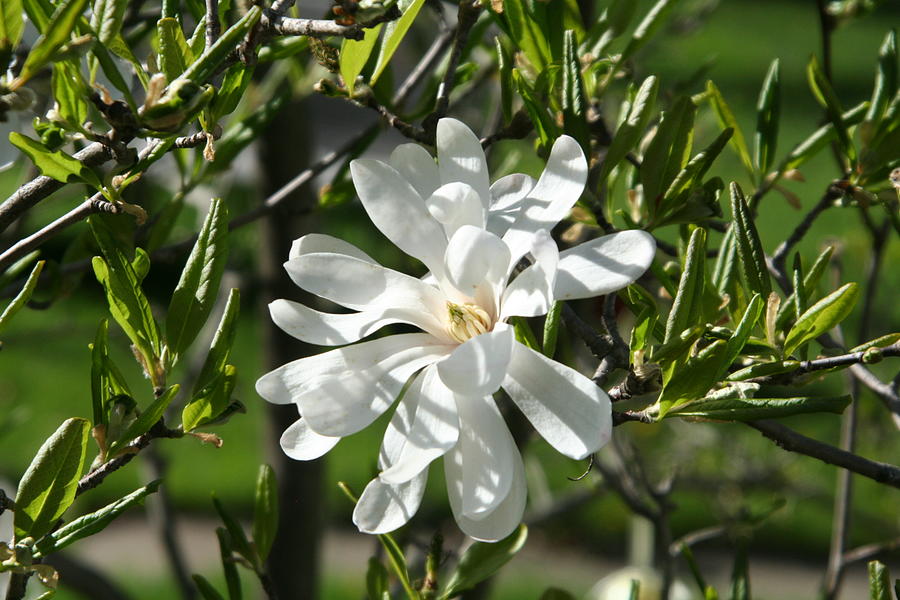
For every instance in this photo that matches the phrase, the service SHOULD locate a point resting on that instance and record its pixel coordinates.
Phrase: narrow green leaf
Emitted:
(669, 150)
(647, 28)
(174, 52)
(482, 560)
(377, 584)
(206, 64)
(226, 555)
(810, 283)
(107, 19)
(881, 341)
(740, 574)
(690, 176)
(205, 588)
(11, 27)
(38, 12)
(544, 125)
(824, 93)
(54, 36)
(265, 511)
(726, 120)
(48, 487)
(822, 316)
(885, 79)
(56, 164)
(147, 419)
(238, 538)
(504, 69)
(70, 92)
(725, 267)
(821, 138)
(234, 84)
(524, 333)
(686, 306)
(768, 109)
(764, 370)
(750, 252)
(528, 33)
(551, 329)
(394, 32)
(107, 381)
(632, 128)
(94, 522)
(16, 304)
(198, 286)
(879, 581)
(751, 409)
(574, 107)
(355, 54)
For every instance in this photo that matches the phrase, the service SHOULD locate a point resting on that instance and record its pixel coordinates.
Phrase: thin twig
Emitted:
(213, 26)
(618, 357)
(423, 67)
(466, 18)
(870, 551)
(696, 537)
(318, 28)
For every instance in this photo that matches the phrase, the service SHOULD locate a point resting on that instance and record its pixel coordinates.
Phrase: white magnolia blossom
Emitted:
(471, 235)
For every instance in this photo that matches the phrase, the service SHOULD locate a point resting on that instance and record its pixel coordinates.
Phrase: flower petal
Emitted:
(425, 427)
(399, 212)
(343, 404)
(288, 382)
(327, 329)
(475, 264)
(557, 190)
(501, 521)
(604, 265)
(364, 286)
(477, 366)
(319, 242)
(454, 205)
(417, 166)
(569, 410)
(480, 469)
(383, 507)
(531, 293)
(507, 196)
(461, 158)
(302, 443)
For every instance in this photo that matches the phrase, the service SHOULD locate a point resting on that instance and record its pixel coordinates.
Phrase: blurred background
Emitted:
(581, 532)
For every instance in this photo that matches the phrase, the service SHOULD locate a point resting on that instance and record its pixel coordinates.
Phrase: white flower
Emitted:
(470, 235)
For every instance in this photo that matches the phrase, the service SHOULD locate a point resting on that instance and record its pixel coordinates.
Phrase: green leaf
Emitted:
(107, 381)
(810, 283)
(481, 560)
(822, 316)
(686, 306)
(394, 32)
(632, 128)
(551, 329)
(16, 304)
(504, 70)
(53, 37)
(127, 302)
(574, 107)
(56, 164)
(212, 391)
(524, 333)
(206, 589)
(198, 286)
(92, 523)
(355, 54)
(751, 409)
(377, 584)
(238, 538)
(226, 554)
(147, 419)
(824, 93)
(70, 92)
(740, 574)
(48, 487)
(879, 581)
(11, 27)
(544, 125)
(750, 252)
(821, 138)
(107, 19)
(234, 84)
(768, 109)
(727, 121)
(690, 176)
(174, 52)
(646, 29)
(764, 370)
(669, 150)
(265, 511)
(528, 33)
(203, 68)
(885, 80)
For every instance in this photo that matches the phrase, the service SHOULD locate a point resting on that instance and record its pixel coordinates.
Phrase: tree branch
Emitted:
(466, 18)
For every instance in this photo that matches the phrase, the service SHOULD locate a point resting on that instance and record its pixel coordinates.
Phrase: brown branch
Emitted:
(466, 18)
(792, 441)
(213, 26)
(870, 551)
(319, 28)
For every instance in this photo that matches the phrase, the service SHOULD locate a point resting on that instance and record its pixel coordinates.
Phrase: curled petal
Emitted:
(384, 507)
(507, 199)
(454, 205)
(481, 468)
(531, 293)
(289, 382)
(461, 158)
(327, 329)
(302, 443)
(476, 262)
(417, 166)
(319, 242)
(424, 427)
(477, 366)
(569, 410)
(364, 286)
(604, 265)
(398, 211)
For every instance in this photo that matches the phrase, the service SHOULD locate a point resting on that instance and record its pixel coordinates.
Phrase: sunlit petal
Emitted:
(454, 205)
(531, 293)
(302, 443)
(417, 166)
(461, 158)
(384, 507)
(604, 265)
(476, 367)
(327, 329)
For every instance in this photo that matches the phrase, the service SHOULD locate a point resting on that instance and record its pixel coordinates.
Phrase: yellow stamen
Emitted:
(467, 321)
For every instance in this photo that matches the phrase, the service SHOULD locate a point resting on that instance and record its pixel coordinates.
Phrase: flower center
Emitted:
(467, 321)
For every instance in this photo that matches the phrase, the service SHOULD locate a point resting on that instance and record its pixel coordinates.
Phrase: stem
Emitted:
(213, 26)
(466, 18)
